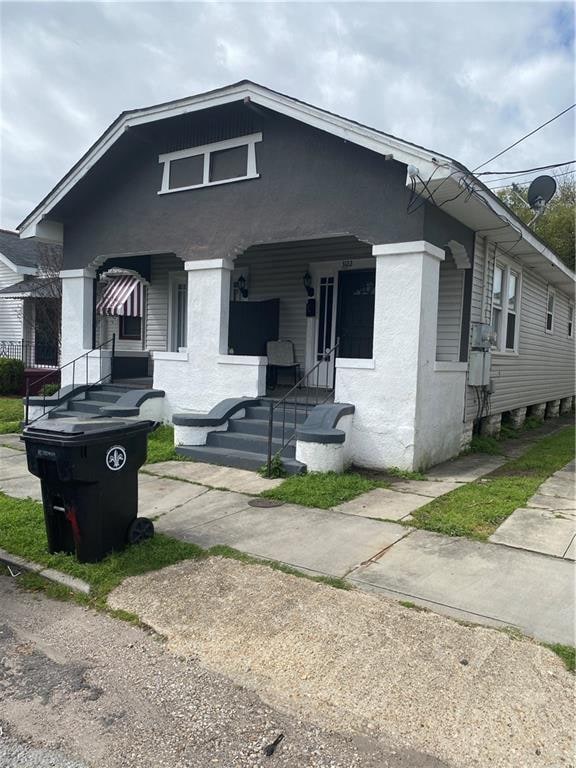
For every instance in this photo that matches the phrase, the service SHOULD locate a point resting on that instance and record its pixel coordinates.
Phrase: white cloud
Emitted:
(463, 79)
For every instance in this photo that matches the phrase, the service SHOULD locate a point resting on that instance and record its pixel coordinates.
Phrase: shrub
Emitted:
(49, 389)
(11, 376)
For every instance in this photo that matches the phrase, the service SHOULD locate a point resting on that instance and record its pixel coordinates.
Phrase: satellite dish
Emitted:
(540, 192)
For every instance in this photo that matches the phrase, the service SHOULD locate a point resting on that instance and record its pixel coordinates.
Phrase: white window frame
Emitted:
(570, 324)
(174, 280)
(550, 293)
(507, 267)
(249, 141)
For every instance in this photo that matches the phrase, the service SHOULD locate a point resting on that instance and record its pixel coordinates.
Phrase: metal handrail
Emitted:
(58, 372)
(283, 402)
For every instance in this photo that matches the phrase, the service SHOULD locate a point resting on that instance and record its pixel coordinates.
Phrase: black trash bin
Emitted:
(89, 476)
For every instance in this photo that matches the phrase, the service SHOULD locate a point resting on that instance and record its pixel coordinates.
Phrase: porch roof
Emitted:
(33, 288)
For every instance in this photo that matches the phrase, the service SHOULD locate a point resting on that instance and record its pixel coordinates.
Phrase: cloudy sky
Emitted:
(465, 79)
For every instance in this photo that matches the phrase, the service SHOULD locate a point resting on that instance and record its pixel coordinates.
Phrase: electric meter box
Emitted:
(483, 336)
(479, 368)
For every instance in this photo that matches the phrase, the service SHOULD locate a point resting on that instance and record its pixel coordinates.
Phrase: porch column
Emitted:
(211, 373)
(77, 312)
(387, 393)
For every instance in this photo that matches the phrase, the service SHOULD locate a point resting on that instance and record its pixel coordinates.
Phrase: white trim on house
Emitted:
(507, 266)
(206, 150)
(550, 294)
(17, 268)
(243, 91)
(88, 273)
(201, 264)
(413, 248)
(481, 210)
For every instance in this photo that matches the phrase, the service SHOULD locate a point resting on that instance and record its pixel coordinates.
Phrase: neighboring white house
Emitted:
(199, 230)
(29, 299)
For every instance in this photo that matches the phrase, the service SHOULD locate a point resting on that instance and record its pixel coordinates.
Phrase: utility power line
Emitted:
(525, 171)
(539, 128)
(558, 176)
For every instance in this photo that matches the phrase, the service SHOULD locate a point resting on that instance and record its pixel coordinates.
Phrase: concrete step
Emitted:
(234, 458)
(260, 427)
(262, 413)
(102, 395)
(87, 406)
(251, 443)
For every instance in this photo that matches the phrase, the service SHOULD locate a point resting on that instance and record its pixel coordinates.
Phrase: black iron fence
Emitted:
(79, 374)
(33, 354)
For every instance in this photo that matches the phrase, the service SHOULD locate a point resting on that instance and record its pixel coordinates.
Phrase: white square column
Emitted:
(204, 375)
(385, 390)
(77, 329)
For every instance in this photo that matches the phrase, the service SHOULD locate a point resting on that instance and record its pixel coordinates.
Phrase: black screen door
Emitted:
(355, 319)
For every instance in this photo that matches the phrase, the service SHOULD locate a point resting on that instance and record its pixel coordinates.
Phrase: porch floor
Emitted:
(143, 383)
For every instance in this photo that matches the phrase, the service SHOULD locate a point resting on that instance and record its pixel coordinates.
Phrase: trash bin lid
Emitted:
(72, 432)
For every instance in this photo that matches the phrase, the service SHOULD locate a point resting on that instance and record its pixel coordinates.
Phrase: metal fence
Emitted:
(32, 354)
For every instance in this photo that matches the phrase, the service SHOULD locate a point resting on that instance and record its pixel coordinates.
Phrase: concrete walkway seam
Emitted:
(71, 582)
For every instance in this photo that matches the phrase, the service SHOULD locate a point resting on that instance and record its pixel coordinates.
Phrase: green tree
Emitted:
(556, 225)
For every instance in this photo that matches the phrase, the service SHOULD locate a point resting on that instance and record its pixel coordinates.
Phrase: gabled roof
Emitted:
(462, 195)
(21, 256)
(31, 287)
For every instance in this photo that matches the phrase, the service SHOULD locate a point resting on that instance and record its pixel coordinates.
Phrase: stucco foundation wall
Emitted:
(382, 433)
(189, 387)
(439, 416)
(321, 457)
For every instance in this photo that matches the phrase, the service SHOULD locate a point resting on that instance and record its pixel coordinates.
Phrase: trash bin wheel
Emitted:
(139, 530)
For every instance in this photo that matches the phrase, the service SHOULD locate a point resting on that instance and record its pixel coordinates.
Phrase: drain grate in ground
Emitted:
(265, 503)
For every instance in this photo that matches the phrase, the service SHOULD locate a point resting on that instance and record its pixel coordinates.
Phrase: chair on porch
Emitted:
(281, 354)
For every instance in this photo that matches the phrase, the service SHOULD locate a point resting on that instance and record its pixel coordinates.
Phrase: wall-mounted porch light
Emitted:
(240, 284)
(307, 280)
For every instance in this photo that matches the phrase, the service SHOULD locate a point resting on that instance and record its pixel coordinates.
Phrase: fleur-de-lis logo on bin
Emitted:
(115, 458)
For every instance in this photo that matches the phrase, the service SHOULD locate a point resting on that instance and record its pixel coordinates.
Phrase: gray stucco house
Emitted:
(198, 230)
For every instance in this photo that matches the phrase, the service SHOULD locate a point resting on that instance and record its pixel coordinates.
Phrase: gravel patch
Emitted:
(356, 663)
(16, 754)
(76, 685)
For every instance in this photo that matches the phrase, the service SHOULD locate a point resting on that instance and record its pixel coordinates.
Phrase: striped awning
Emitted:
(122, 296)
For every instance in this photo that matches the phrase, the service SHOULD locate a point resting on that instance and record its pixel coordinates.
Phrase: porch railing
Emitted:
(32, 353)
(322, 385)
(79, 365)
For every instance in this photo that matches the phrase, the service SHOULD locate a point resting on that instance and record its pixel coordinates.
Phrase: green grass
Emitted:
(566, 652)
(489, 445)
(406, 474)
(11, 414)
(322, 489)
(22, 532)
(161, 446)
(477, 509)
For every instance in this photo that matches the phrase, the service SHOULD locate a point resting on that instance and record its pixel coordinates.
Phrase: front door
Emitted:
(355, 324)
(325, 328)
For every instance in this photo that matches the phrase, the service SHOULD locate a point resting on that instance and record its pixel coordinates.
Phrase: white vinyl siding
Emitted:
(543, 369)
(450, 294)
(10, 309)
(157, 301)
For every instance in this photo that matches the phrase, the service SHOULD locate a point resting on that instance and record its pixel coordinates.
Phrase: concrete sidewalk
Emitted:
(548, 522)
(360, 540)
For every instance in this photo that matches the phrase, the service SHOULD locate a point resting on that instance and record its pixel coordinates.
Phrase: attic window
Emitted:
(221, 162)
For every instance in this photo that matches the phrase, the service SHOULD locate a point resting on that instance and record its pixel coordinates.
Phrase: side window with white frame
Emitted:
(550, 301)
(570, 321)
(506, 307)
(221, 162)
